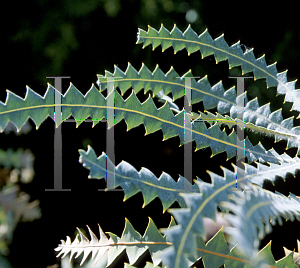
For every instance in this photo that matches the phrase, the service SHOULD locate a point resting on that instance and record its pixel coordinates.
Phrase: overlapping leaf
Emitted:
(253, 207)
(165, 187)
(272, 124)
(217, 253)
(212, 195)
(221, 51)
(94, 104)
(108, 250)
(132, 181)
(258, 118)
(186, 236)
(212, 96)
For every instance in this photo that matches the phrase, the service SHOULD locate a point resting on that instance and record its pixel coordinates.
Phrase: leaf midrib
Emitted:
(206, 93)
(144, 114)
(233, 55)
(200, 209)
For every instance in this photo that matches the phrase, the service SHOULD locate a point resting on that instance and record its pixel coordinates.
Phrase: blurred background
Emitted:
(84, 38)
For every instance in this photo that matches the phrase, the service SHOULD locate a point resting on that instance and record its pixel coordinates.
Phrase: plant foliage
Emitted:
(183, 242)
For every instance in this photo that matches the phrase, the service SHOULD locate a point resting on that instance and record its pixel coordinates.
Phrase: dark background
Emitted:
(84, 38)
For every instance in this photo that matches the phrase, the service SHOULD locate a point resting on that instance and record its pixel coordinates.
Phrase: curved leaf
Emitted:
(262, 119)
(130, 240)
(94, 104)
(276, 127)
(186, 236)
(109, 249)
(221, 51)
(253, 207)
(217, 253)
(132, 182)
(165, 187)
(212, 96)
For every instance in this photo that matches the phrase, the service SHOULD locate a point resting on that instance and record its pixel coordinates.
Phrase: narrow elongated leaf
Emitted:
(186, 236)
(204, 204)
(131, 241)
(221, 51)
(275, 127)
(217, 253)
(132, 182)
(259, 119)
(94, 104)
(212, 96)
(253, 207)
(165, 187)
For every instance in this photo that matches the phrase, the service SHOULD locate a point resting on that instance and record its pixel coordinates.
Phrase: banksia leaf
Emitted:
(131, 241)
(132, 181)
(165, 187)
(255, 118)
(212, 96)
(269, 124)
(251, 209)
(221, 51)
(94, 104)
(186, 235)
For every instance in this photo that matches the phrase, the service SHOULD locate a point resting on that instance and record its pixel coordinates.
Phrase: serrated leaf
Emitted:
(131, 241)
(219, 47)
(256, 118)
(271, 124)
(186, 236)
(165, 187)
(132, 182)
(251, 209)
(94, 104)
